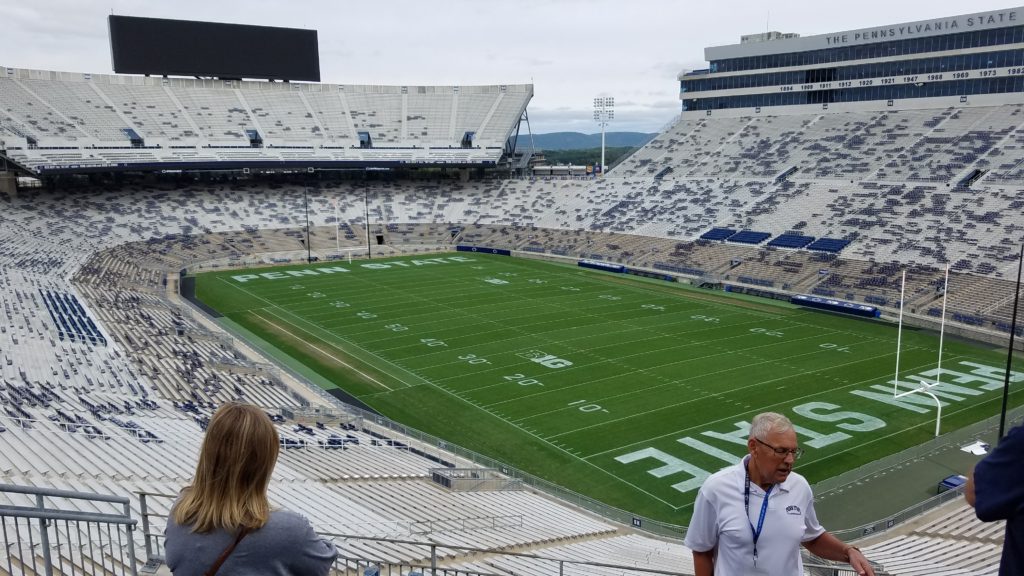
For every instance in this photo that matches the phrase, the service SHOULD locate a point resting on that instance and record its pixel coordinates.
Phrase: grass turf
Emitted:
(628, 391)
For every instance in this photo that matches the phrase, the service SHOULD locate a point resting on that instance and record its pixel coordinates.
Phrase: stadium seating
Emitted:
(106, 380)
(717, 234)
(749, 237)
(874, 222)
(791, 241)
(950, 540)
(630, 550)
(129, 417)
(60, 119)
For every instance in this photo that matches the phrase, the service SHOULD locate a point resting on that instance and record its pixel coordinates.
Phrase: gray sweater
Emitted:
(285, 546)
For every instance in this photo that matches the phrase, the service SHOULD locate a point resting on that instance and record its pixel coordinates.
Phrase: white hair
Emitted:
(768, 422)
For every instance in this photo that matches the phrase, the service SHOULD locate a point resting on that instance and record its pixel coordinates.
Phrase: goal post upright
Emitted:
(899, 337)
(925, 387)
(942, 325)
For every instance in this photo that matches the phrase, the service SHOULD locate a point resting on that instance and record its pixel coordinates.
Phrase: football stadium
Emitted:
(481, 366)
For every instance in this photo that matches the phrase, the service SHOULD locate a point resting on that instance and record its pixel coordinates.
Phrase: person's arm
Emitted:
(829, 547)
(969, 488)
(998, 491)
(702, 535)
(318, 554)
(308, 552)
(704, 563)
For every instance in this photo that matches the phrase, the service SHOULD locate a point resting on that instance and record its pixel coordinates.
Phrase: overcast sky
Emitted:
(571, 50)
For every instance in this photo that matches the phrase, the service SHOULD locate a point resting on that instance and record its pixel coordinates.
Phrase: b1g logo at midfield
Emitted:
(544, 359)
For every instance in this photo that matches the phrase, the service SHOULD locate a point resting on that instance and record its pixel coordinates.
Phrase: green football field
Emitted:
(624, 389)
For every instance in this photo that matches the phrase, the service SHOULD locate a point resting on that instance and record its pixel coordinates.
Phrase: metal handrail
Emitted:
(33, 490)
(151, 546)
(561, 561)
(881, 526)
(47, 524)
(818, 569)
(35, 513)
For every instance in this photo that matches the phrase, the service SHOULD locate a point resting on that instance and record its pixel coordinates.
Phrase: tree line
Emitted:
(587, 156)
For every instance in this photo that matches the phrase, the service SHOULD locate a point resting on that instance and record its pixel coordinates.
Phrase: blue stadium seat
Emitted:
(750, 237)
(828, 244)
(717, 234)
(70, 319)
(791, 241)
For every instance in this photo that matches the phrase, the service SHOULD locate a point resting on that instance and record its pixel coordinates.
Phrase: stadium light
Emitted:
(366, 216)
(337, 228)
(604, 111)
(305, 200)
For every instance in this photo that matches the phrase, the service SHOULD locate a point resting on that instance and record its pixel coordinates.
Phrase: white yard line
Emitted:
(704, 425)
(682, 361)
(558, 447)
(271, 307)
(692, 400)
(321, 350)
(692, 306)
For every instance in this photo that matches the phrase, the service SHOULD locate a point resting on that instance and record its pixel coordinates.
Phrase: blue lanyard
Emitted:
(764, 510)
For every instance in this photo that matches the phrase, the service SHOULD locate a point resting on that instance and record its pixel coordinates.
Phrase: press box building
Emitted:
(975, 59)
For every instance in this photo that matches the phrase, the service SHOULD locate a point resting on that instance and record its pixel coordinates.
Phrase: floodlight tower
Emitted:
(305, 200)
(604, 111)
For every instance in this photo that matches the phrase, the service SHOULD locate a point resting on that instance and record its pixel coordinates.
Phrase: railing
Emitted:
(359, 563)
(568, 496)
(817, 567)
(465, 524)
(958, 437)
(102, 542)
(840, 482)
(153, 542)
(38, 538)
(423, 556)
(880, 526)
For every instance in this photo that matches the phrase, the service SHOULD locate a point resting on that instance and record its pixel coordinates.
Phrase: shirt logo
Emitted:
(794, 510)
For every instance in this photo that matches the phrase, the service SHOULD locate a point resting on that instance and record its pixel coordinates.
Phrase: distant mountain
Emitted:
(580, 141)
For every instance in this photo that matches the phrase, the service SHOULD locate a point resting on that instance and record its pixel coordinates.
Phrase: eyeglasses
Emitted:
(796, 452)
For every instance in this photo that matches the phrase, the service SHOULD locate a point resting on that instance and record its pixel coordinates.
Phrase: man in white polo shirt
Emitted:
(751, 518)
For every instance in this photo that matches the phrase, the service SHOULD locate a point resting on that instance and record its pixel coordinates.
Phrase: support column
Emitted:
(9, 184)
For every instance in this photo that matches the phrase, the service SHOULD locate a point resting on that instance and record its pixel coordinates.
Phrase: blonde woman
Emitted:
(222, 523)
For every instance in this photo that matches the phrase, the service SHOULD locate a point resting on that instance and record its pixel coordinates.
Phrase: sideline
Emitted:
(321, 350)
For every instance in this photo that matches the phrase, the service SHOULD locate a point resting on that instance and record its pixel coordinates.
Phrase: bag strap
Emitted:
(227, 552)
